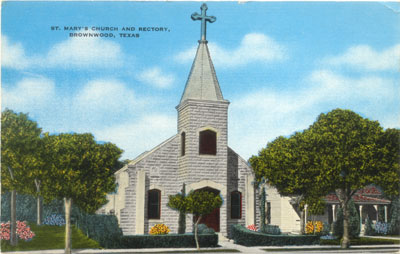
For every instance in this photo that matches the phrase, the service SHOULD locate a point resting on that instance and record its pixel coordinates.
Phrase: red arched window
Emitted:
(236, 205)
(154, 204)
(183, 143)
(208, 142)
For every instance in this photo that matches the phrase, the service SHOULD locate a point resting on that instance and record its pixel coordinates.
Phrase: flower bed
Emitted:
(167, 241)
(24, 232)
(243, 236)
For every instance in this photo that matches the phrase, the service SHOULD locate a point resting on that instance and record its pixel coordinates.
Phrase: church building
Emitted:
(196, 158)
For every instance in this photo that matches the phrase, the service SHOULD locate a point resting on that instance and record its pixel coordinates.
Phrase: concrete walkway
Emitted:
(229, 246)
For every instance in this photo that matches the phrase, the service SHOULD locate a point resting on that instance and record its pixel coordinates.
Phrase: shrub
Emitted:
(394, 226)
(54, 220)
(315, 227)
(202, 229)
(310, 228)
(102, 228)
(354, 222)
(167, 241)
(159, 229)
(246, 237)
(23, 231)
(381, 228)
(326, 229)
(369, 230)
(271, 230)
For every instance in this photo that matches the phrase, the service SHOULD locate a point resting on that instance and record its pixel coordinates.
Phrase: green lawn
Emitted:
(361, 241)
(51, 237)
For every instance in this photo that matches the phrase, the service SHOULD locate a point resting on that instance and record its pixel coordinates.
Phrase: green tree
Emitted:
(81, 172)
(182, 215)
(341, 152)
(20, 160)
(262, 209)
(198, 203)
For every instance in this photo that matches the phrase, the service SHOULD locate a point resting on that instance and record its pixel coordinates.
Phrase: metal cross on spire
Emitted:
(204, 18)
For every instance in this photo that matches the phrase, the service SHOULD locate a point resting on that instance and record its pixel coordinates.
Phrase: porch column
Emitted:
(377, 212)
(334, 213)
(386, 219)
(305, 215)
(360, 210)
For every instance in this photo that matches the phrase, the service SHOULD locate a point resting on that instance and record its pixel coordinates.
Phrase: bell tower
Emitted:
(203, 118)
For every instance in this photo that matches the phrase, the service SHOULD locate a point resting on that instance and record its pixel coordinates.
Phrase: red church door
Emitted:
(211, 220)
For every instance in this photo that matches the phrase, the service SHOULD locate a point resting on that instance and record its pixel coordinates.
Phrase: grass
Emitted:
(51, 237)
(361, 241)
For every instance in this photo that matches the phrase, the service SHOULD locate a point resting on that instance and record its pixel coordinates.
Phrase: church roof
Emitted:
(202, 83)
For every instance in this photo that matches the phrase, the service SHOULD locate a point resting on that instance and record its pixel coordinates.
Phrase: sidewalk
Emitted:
(230, 248)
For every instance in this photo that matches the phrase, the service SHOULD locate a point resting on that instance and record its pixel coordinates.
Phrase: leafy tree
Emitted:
(81, 172)
(262, 208)
(341, 152)
(20, 160)
(182, 216)
(198, 203)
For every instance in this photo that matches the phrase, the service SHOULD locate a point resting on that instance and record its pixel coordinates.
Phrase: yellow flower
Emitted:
(159, 229)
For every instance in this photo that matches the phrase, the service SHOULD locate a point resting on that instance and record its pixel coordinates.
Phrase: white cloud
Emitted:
(104, 100)
(84, 53)
(254, 48)
(135, 137)
(29, 94)
(156, 77)
(271, 113)
(81, 53)
(363, 57)
(13, 55)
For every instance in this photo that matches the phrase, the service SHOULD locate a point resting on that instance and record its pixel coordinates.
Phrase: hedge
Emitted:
(167, 241)
(102, 228)
(243, 236)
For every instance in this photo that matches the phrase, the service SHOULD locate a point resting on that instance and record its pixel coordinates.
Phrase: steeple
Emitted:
(202, 83)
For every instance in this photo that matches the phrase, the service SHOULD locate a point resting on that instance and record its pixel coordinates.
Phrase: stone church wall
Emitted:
(238, 169)
(160, 173)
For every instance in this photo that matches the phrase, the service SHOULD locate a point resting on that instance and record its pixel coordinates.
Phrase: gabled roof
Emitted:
(202, 83)
(358, 199)
(145, 154)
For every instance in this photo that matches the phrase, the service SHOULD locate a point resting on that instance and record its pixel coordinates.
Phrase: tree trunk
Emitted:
(39, 211)
(68, 202)
(345, 243)
(302, 226)
(38, 203)
(13, 222)
(195, 232)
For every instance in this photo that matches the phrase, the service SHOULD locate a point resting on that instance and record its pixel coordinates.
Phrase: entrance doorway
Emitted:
(210, 220)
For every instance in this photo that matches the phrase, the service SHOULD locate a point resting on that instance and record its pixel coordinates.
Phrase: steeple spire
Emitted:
(202, 83)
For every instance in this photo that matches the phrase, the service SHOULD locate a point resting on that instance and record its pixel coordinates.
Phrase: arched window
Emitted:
(208, 142)
(236, 205)
(183, 143)
(154, 204)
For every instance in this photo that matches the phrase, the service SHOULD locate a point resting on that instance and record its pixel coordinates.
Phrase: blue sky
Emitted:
(280, 64)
